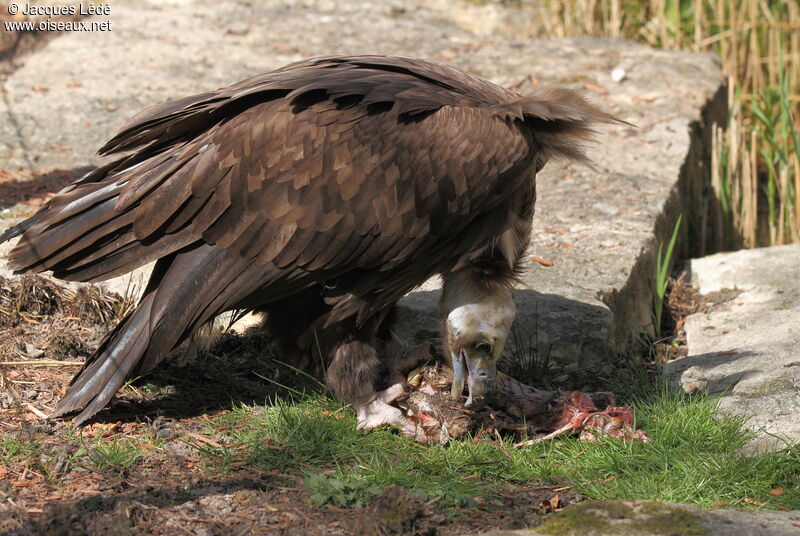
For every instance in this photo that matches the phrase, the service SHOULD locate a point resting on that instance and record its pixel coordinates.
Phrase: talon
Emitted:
(375, 411)
(392, 393)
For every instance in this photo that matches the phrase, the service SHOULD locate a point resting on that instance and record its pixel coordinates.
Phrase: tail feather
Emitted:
(20, 228)
(106, 372)
(560, 119)
(185, 291)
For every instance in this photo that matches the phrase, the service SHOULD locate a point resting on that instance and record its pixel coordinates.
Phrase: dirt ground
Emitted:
(172, 488)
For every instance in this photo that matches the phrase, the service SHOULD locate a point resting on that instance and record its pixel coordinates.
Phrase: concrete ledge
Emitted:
(745, 346)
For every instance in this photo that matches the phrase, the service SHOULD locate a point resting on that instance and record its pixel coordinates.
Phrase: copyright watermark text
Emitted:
(41, 18)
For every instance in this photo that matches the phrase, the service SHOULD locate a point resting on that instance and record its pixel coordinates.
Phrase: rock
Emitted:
(179, 449)
(746, 346)
(650, 518)
(32, 351)
(618, 75)
(599, 228)
(511, 19)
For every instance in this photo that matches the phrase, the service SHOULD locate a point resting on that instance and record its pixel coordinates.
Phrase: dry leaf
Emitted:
(595, 88)
(541, 260)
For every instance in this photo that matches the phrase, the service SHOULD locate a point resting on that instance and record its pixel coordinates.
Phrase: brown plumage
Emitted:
(320, 193)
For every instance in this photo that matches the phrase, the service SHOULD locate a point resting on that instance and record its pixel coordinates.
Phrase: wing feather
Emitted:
(336, 165)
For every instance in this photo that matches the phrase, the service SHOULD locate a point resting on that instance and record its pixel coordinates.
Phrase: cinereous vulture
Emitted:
(319, 194)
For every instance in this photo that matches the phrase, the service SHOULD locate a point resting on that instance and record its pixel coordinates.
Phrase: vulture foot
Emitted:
(374, 411)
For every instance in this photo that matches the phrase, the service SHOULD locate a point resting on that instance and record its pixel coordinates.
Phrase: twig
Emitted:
(29, 319)
(205, 440)
(434, 500)
(561, 431)
(43, 363)
(502, 444)
(36, 411)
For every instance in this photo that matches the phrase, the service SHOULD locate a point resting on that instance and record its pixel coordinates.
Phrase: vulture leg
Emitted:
(352, 375)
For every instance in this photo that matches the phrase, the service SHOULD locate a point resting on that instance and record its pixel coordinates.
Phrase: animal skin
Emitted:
(319, 194)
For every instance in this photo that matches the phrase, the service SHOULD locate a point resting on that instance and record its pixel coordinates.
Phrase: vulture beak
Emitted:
(475, 366)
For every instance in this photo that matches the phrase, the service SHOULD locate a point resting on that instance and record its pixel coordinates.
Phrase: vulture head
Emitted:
(477, 323)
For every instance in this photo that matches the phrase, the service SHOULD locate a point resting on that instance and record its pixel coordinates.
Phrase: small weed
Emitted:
(29, 295)
(115, 455)
(529, 359)
(99, 306)
(341, 492)
(13, 446)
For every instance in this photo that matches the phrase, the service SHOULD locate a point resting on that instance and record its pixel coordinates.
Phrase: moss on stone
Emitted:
(769, 387)
(667, 520)
(583, 518)
(616, 509)
(624, 518)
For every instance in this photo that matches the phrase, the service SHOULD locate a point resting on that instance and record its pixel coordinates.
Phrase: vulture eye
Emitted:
(484, 346)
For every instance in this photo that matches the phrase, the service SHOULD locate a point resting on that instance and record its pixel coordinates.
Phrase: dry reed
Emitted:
(755, 176)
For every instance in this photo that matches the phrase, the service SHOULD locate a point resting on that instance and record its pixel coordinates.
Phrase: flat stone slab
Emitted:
(746, 346)
(650, 518)
(599, 228)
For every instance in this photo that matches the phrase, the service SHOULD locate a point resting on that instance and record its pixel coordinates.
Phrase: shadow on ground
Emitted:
(703, 378)
(16, 188)
(235, 370)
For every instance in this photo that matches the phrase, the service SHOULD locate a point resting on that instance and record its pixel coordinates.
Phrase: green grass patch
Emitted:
(15, 447)
(344, 493)
(693, 457)
(115, 455)
(54, 459)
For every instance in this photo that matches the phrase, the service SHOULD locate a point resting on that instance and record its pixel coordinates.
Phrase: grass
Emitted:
(13, 446)
(663, 265)
(754, 180)
(114, 455)
(530, 359)
(308, 443)
(693, 457)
